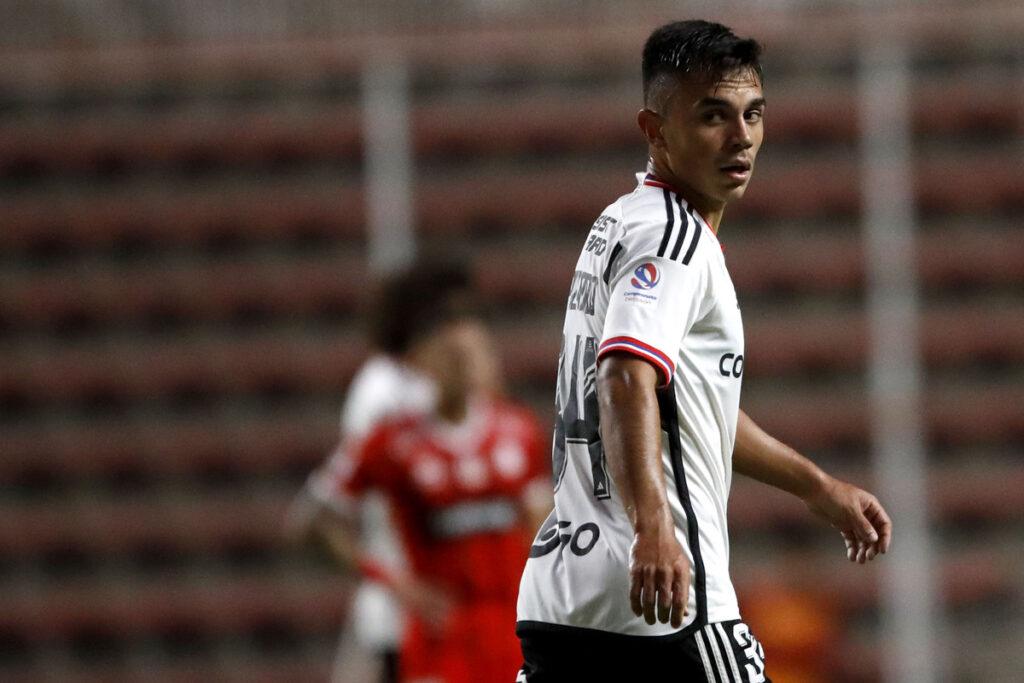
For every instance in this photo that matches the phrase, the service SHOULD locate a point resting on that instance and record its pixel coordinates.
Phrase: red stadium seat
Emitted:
(247, 441)
(214, 606)
(191, 291)
(135, 370)
(185, 523)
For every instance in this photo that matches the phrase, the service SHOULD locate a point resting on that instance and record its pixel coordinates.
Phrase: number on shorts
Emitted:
(753, 652)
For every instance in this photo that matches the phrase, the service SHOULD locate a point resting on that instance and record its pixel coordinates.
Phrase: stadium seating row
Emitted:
(290, 437)
(245, 667)
(537, 46)
(190, 290)
(282, 211)
(823, 189)
(202, 604)
(217, 522)
(196, 136)
(219, 605)
(124, 369)
(252, 442)
(199, 522)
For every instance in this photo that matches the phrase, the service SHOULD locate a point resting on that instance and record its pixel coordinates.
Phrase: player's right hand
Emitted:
(659, 576)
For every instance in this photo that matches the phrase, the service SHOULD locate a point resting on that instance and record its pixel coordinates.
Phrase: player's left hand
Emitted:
(860, 518)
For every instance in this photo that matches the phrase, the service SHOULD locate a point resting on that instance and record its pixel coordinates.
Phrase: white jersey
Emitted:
(383, 388)
(651, 280)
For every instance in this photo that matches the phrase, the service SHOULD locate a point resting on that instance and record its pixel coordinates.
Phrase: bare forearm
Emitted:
(659, 569)
(339, 536)
(860, 518)
(762, 457)
(631, 435)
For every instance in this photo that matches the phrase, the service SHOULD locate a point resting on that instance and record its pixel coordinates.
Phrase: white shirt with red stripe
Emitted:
(651, 281)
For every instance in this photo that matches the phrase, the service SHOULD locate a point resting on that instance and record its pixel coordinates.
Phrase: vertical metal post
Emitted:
(909, 612)
(388, 164)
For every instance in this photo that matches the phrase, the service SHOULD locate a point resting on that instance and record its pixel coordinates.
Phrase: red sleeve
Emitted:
(372, 465)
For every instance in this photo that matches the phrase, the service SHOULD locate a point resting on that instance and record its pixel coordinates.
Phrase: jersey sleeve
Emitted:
(369, 465)
(653, 302)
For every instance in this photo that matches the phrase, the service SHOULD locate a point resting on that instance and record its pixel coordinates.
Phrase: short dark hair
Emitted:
(696, 48)
(417, 300)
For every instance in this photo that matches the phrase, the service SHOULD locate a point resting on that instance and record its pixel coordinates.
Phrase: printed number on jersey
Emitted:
(576, 433)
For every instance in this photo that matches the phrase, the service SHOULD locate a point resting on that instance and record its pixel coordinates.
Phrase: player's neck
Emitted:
(452, 407)
(711, 211)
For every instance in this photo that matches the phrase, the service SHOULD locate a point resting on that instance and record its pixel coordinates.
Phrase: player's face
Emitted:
(459, 356)
(710, 136)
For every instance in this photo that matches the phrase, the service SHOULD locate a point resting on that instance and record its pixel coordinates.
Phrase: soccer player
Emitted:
(629, 575)
(468, 484)
(391, 382)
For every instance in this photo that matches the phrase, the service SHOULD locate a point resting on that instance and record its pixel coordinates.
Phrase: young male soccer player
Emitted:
(391, 382)
(462, 482)
(629, 574)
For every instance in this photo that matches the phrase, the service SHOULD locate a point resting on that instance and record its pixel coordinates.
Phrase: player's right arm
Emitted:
(631, 434)
(316, 510)
(655, 292)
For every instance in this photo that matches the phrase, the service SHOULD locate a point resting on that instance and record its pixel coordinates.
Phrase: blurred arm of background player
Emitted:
(391, 382)
(335, 527)
(322, 515)
(860, 518)
(325, 518)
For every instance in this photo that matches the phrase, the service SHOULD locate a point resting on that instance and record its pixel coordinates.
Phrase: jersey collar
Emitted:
(651, 179)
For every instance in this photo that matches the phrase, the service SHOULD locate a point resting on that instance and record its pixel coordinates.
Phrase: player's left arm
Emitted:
(863, 522)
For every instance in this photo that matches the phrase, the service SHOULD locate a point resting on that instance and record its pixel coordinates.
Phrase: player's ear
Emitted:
(650, 125)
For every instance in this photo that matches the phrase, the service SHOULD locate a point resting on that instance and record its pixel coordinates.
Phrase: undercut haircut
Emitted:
(695, 49)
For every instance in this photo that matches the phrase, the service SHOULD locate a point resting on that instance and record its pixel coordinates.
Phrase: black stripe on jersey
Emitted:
(611, 262)
(696, 235)
(670, 222)
(682, 229)
(670, 425)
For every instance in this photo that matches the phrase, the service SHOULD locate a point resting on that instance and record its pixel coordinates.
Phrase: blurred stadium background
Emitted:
(185, 255)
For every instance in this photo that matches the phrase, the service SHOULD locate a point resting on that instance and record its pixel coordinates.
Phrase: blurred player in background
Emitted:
(467, 484)
(629, 576)
(391, 382)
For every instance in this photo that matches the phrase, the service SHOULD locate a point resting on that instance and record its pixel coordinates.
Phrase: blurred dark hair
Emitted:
(697, 48)
(413, 302)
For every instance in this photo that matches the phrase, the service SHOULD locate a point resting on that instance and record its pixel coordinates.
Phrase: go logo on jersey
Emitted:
(557, 533)
(646, 276)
